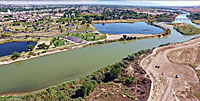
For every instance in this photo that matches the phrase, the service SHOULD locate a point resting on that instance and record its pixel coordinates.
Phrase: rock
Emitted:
(103, 89)
(124, 95)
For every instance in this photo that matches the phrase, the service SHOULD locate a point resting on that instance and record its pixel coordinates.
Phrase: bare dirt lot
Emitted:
(118, 36)
(172, 71)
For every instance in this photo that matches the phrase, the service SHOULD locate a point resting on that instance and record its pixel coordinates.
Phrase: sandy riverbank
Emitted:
(118, 36)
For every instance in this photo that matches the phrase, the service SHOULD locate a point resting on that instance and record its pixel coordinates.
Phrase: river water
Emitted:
(45, 71)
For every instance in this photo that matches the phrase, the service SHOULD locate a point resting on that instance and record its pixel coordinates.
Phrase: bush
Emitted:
(31, 47)
(5, 35)
(130, 80)
(43, 46)
(31, 53)
(116, 71)
(88, 87)
(15, 55)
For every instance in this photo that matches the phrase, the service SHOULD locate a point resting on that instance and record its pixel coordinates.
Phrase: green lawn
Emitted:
(86, 36)
(186, 29)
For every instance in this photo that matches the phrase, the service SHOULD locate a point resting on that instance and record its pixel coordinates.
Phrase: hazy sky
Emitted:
(135, 3)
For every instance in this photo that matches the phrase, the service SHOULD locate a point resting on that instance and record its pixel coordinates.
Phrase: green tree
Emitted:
(43, 46)
(124, 36)
(116, 71)
(88, 87)
(130, 80)
(31, 47)
(83, 22)
(15, 55)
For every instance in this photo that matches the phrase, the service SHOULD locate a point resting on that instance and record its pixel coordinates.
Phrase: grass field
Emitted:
(186, 29)
(86, 36)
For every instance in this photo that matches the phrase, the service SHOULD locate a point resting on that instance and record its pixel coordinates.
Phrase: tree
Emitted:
(130, 80)
(31, 47)
(88, 87)
(43, 46)
(15, 55)
(124, 36)
(83, 22)
(116, 71)
(5, 35)
(27, 36)
(94, 37)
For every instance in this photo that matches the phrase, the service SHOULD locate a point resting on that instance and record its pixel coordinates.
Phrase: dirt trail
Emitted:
(168, 89)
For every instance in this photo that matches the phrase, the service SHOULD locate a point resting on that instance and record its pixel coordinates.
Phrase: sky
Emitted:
(134, 3)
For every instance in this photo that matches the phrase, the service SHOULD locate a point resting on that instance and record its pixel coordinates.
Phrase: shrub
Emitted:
(31, 53)
(130, 80)
(88, 87)
(31, 47)
(43, 46)
(15, 55)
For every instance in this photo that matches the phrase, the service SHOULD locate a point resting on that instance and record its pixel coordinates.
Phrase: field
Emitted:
(186, 29)
(86, 36)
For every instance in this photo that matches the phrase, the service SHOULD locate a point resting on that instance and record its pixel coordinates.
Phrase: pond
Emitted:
(9, 48)
(128, 28)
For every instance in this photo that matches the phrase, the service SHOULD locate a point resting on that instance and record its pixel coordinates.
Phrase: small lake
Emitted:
(9, 48)
(128, 28)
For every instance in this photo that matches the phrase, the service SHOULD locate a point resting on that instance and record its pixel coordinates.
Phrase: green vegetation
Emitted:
(43, 46)
(15, 55)
(31, 53)
(130, 80)
(31, 47)
(164, 17)
(5, 35)
(4, 98)
(88, 87)
(57, 42)
(195, 16)
(86, 36)
(186, 29)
